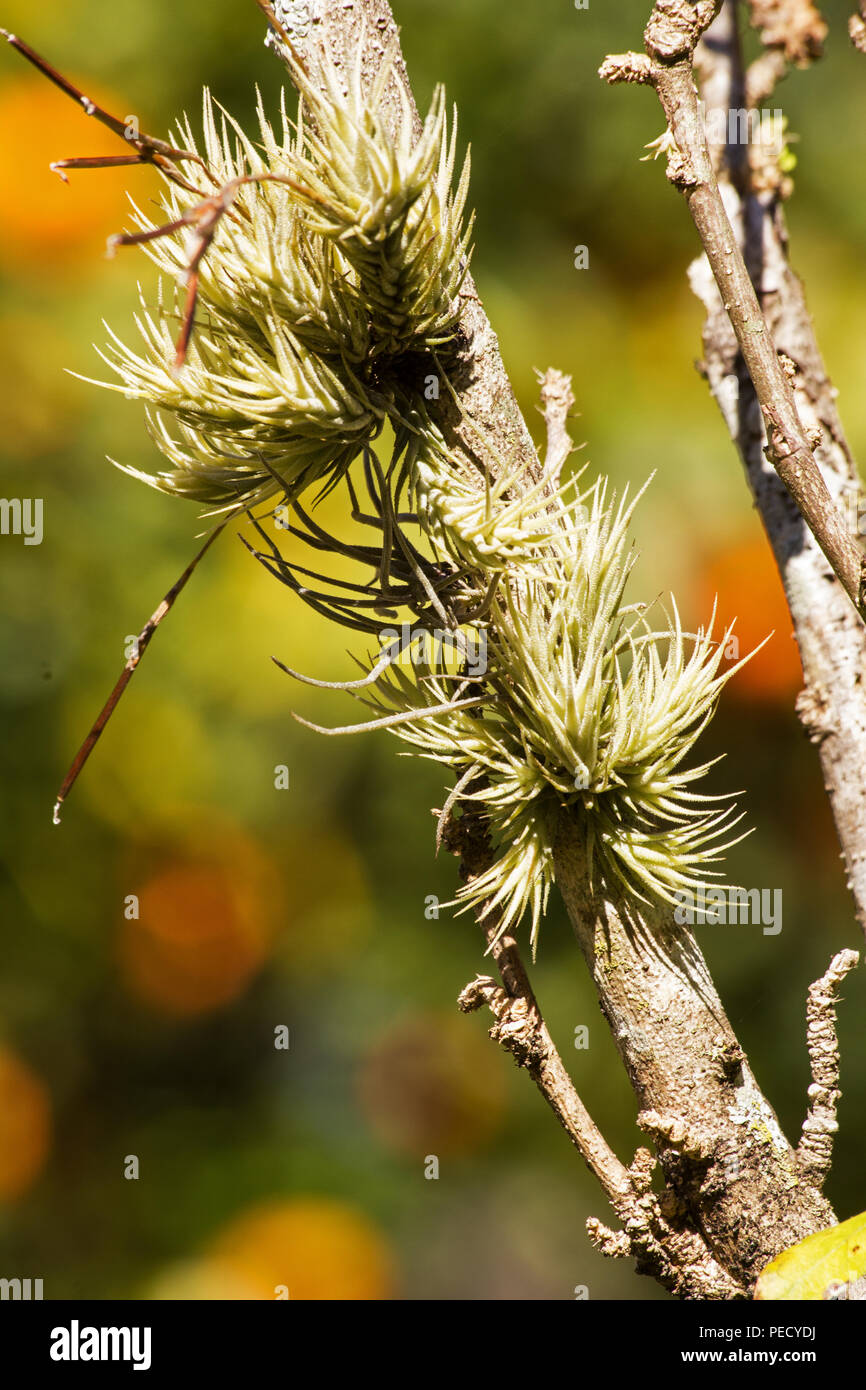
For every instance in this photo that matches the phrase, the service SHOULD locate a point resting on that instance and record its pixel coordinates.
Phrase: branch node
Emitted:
(613, 1244)
(672, 1132)
(675, 27)
(626, 67)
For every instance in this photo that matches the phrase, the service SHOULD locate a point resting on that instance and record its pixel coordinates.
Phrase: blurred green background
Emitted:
(304, 907)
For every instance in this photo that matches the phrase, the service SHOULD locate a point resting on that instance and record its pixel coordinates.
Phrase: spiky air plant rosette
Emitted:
(311, 280)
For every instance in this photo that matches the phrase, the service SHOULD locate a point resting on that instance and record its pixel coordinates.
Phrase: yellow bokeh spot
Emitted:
(25, 1126)
(201, 1281)
(315, 1247)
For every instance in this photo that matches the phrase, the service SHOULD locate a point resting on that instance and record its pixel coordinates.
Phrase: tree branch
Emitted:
(857, 28)
(733, 1197)
(830, 637)
(557, 398)
(671, 36)
(725, 1159)
(657, 1229)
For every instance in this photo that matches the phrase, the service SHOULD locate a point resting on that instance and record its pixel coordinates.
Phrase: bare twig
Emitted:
(148, 149)
(671, 36)
(815, 1150)
(521, 1030)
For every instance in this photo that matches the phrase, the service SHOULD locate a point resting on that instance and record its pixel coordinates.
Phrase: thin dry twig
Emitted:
(656, 1229)
(148, 149)
(139, 648)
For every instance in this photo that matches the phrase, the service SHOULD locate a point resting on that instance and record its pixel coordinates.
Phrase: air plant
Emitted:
(587, 710)
(318, 263)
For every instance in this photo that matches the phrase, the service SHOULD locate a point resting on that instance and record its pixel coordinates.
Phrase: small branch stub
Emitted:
(815, 1150)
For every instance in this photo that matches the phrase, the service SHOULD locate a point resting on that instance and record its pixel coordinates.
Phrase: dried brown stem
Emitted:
(128, 671)
(149, 149)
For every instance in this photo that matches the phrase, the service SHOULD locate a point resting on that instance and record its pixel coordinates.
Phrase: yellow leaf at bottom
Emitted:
(830, 1264)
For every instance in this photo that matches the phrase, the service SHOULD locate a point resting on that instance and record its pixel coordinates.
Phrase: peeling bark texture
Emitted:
(725, 1159)
(830, 637)
(488, 426)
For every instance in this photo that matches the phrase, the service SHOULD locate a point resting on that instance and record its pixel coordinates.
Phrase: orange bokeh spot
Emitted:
(25, 1126)
(42, 219)
(204, 928)
(313, 1247)
(749, 589)
(432, 1085)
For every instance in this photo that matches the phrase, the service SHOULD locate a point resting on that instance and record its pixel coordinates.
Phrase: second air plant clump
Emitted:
(330, 288)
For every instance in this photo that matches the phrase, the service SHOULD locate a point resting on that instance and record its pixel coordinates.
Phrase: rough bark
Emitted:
(724, 1156)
